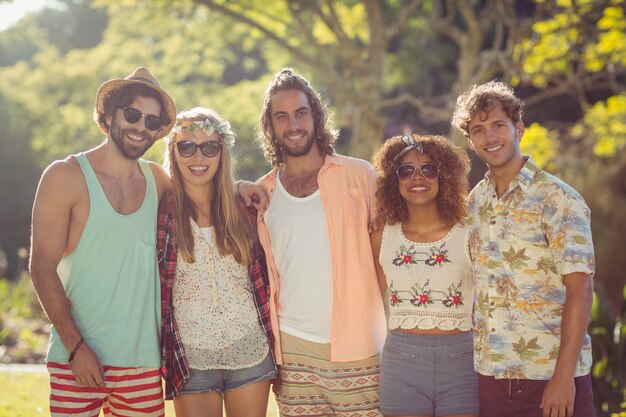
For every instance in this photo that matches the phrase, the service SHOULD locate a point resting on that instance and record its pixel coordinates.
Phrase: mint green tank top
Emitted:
(111, 279)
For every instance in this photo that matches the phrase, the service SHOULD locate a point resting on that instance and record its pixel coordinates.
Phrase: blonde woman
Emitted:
(216, 335)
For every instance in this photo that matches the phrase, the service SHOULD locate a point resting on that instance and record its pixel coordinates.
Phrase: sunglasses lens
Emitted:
(210, 148)
(405, 171)
(429, 171)
(153, 122)
(132, 115)
(186, 148)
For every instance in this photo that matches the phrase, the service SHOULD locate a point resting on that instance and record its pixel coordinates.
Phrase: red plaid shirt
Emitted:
(175, 368)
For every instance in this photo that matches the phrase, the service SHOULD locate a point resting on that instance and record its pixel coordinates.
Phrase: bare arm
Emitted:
(558, 397)
(376, 241)
(52, 213)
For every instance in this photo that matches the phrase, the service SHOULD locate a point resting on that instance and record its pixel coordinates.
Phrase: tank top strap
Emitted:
(151, 200)
(96, 194)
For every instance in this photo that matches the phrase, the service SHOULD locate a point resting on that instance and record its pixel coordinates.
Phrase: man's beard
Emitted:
(127, 149)
(287, 151)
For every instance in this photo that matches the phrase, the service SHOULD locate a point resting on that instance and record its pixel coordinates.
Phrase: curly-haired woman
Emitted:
(422, 260)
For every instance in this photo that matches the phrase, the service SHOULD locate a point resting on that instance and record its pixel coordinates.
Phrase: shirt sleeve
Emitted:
(568, 231)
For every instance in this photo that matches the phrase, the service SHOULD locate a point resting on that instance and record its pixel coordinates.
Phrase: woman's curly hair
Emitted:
(454, 167)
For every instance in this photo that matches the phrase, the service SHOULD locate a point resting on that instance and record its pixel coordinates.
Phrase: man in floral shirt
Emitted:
(533, 259)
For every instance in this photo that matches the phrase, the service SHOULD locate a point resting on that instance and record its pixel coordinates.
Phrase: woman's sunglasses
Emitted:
(429, 171)
(152, 122)
(187, 148)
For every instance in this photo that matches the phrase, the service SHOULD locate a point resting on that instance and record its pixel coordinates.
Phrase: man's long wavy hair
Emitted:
(454, 168)
(481, 99)
(325, 135)
(232, 228)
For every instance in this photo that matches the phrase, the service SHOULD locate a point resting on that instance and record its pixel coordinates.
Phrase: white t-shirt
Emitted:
(299, 235)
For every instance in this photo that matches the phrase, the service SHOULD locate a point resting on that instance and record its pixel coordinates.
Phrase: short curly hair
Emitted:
(482, 99)
(454, 167)
(325, 134)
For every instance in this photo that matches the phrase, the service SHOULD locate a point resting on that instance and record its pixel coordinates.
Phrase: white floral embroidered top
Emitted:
(214, 309)
(430, 284)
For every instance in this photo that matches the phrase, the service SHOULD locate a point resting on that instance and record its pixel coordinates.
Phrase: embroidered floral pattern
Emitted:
(422, 296)
(394, 298)
(454, 296)
(436, 256)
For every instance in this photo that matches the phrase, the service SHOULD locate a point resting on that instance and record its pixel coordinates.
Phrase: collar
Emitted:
(329, 160)
(524, 177)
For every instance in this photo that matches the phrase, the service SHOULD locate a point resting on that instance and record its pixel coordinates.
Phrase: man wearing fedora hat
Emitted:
(93, 257)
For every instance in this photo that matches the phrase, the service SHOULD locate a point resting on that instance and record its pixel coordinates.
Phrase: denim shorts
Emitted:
(428, 374)
(224, 380)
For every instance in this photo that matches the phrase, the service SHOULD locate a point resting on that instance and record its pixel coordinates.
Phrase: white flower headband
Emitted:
(208, 127)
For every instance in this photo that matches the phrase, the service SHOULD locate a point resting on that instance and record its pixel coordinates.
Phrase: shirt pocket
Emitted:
(523, 231)
(353, 206)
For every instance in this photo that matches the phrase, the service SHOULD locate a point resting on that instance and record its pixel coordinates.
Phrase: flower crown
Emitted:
(208, 127)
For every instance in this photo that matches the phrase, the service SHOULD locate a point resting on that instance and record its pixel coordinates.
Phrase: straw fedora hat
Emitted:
(140, 76)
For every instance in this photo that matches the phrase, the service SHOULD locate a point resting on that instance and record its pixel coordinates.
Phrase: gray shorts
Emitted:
(224, 380)
(428, 374)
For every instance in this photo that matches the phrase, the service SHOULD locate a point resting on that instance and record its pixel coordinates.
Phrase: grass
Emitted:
(26, 395)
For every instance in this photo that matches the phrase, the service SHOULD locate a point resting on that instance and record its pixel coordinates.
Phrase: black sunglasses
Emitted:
(429, 171)
(187, 148)
(152, 122)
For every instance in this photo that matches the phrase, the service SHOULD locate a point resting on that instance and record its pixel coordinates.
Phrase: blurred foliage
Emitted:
(608, 338)
(538, 142)
(605, 124)
(24, 331)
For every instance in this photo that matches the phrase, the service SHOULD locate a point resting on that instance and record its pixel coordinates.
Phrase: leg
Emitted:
(456, 382)
(201, 404)
(248, 401)
(67, 397)
(136, 392)
(201, 395)
(301, 391)
(406, 377)
(583, 402)
(354, 389)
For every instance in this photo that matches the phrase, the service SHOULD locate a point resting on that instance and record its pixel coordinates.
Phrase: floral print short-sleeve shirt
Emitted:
(521, 246)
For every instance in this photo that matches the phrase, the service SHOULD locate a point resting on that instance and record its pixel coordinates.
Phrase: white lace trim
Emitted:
(429, 319)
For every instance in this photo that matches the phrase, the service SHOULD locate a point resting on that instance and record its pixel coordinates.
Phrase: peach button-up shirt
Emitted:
(347, 186)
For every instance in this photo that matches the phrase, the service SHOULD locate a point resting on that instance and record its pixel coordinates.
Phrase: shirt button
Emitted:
(492, 222)
(493, 330)
(493, 248)
(493, 196)
(491, 303)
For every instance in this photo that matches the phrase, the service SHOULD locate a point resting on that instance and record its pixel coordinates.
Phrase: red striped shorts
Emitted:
(128, 392)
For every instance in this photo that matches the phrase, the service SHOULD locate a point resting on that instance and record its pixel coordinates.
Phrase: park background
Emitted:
(385, 67)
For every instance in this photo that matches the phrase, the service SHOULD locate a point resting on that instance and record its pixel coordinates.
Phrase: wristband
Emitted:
(80, 342)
